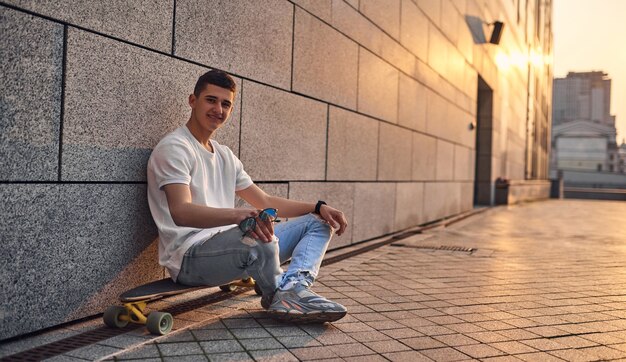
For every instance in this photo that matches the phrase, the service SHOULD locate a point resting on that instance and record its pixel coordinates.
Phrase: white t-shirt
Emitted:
(212, 177)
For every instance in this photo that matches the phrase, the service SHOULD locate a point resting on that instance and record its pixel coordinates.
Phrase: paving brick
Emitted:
(181, 348)
(387, 346)
(279, 354)
(406, 356)
(418, 343)
(512, 347)
(480, 351)
(351, 349)
(312, 353)
(445, 354)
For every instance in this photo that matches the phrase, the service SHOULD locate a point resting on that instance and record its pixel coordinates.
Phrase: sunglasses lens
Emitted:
(268, 214)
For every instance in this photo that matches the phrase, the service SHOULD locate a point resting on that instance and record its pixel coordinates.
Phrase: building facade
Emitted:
(398, 112)
(583, 134)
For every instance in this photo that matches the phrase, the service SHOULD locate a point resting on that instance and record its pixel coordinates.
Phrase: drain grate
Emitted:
(435, 247)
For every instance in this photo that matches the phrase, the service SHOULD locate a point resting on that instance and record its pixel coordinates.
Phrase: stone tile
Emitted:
(440, 199)
(321, 71)
(411, 102)
(409, 204)
(338, 195)
(445, 160)
(414, 29)
(538, 357)
(280, 354)
(312, 353)
(96, 145)
(402, 333)
(187, 358)
(444, 354)
(96, 219)
(232, 356)
(220, 346)
(212, 334)
(298, 341)
(322, 9)
(378, 87)
(352, 146)
(30, 121)
(480, 351)
(406, 356)
(180, 348)
(295, 139)
(387, 346)
(394, 153)
(241, 333)
(149, 25)
(419, 343)
(260, 343)
(366, 358)
(512, 347)
(348, 20)
(351, 349)
(143, 352)
(255, 38)
(463, 166)
(384, 14)
(424, 159)
(93, 352)
(455, 340)
(371, 221)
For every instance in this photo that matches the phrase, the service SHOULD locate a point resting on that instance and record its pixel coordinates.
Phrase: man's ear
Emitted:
(192, 100)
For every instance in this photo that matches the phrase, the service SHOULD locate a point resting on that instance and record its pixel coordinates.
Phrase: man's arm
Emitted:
(186, 213)
(291, 208)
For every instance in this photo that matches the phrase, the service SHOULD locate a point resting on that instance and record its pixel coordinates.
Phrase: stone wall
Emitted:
(366, 104)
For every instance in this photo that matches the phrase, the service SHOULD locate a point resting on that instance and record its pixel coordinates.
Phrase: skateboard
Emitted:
(135, 301)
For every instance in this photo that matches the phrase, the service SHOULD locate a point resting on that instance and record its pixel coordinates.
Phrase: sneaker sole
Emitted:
(320, 317)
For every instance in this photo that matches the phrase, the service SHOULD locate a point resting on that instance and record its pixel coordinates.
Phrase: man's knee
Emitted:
(259, 249)
(321, 225)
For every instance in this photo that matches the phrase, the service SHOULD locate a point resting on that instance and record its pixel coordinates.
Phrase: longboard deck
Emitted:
(155, 290)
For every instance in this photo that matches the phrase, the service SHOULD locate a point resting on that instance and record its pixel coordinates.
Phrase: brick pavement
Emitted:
(534, 282)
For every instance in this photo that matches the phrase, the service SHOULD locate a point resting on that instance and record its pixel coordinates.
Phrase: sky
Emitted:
(591, 35)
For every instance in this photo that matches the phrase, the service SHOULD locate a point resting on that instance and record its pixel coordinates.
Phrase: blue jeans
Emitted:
(230, 255)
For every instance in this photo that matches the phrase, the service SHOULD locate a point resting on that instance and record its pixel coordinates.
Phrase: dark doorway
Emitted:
(483, 194)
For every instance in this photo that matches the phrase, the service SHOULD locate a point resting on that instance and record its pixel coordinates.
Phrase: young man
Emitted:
(205, 240)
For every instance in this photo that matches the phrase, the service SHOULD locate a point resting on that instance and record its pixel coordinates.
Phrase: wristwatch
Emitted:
(318, 206)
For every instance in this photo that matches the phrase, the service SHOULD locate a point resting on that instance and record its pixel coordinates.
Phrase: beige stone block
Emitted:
(412, 105)
(409, 204)
(283, 135)
(385, 14)
(445, 160)
(394, 153)
(352, 146)
(146, 23)
(466, 201)
(378, 87)
(436, 114)
(450, 20)
(336, 194)
(438, 49)
(441, 199)
(325, 62)
(393, 52)
(348, 20)
(424, 157)
(414, 32)
(249, 38)
(432, 9)
(137, 97)
(374, 206)
(463, 163)
(319, 8)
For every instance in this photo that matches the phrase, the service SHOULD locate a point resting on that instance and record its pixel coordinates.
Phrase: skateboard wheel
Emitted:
(228, 288)
(159, 323)
(112, 317)
(257, 289)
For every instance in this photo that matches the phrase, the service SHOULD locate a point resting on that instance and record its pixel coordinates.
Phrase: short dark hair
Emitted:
(215, 77)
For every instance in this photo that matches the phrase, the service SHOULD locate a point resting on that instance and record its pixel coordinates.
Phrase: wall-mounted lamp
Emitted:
(496, 33)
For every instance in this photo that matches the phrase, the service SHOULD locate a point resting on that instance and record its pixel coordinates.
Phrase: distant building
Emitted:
(583, 130)
(621, 157)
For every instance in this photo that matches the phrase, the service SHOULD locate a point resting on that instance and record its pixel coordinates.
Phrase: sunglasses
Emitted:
(249, 223)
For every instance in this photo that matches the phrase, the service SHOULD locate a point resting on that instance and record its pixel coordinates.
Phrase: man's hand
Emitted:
(335, 218)
(263, 231)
